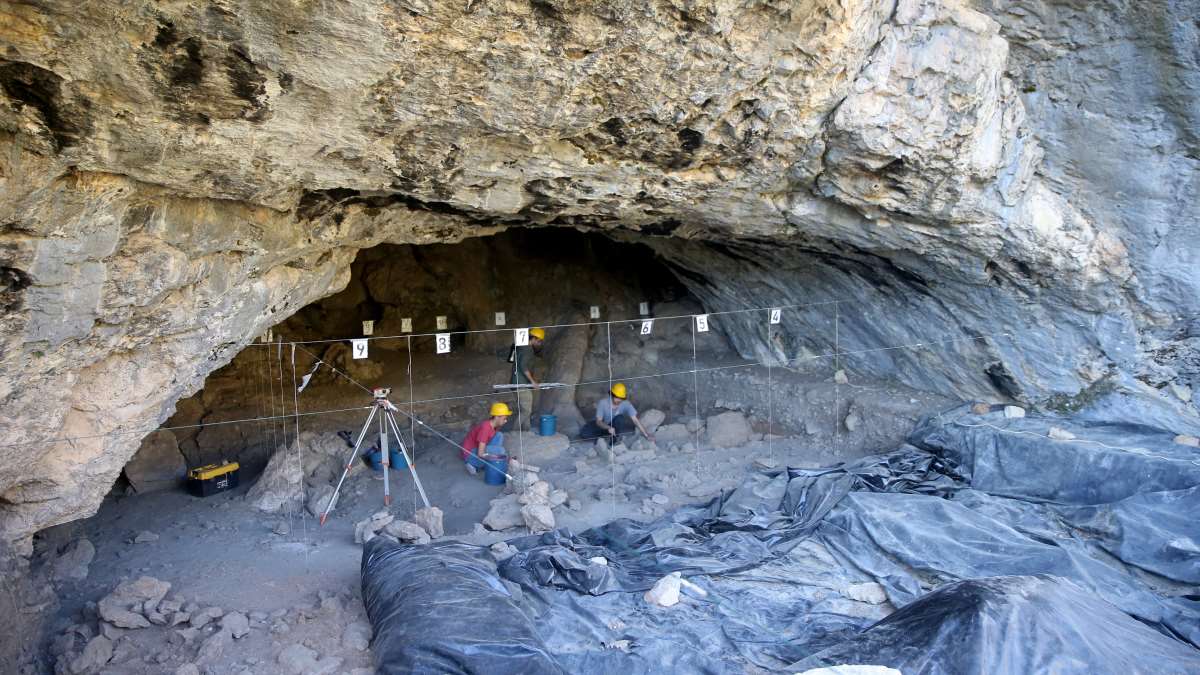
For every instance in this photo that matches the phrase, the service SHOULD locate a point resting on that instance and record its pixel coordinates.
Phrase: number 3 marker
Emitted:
(443, 343)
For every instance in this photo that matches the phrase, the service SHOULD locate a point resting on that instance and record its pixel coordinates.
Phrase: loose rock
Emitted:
(357, 636)
(504, 513)
(1013, 412)
(502, 550)
(237, 624)
(1060, 434)
(123, 606)
(840, 377)
(145, 537)
(870, 592)
(1188, 440)
(665, 592)
(538, 517)
(652, 419)
(430, 519)
(407, 532)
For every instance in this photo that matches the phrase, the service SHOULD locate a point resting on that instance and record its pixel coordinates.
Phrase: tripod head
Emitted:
(380, 395)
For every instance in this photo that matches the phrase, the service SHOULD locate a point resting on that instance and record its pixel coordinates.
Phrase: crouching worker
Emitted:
(615, 417)
(485, 439)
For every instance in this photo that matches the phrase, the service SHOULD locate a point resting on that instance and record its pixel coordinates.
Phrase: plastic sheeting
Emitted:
(1005, 552)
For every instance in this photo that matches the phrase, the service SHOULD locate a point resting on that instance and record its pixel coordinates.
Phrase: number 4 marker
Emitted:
(776, 315)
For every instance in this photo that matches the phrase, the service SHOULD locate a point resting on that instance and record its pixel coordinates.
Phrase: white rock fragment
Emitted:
(502, 550)
(599, 560)
(870, 592)
(1182, 392)
(145, 537)
(660, 499)
(1192, 441)
(1013, 412)
(840, 377)
(692, 589)
(652, 419)
(665, 592)
(1060, 434)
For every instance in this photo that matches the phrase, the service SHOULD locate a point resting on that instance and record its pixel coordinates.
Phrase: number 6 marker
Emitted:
(359, 347)
(443, 343)
(647, 326)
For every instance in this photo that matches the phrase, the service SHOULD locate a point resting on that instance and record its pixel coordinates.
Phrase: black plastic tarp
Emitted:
(1005, 552)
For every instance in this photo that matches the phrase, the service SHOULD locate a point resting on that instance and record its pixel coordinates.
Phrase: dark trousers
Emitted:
(621, 423)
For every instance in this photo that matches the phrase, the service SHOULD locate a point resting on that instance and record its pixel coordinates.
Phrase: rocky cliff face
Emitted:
(1014, 181)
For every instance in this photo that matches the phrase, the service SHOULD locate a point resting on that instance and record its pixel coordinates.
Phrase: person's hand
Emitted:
(650, 437)
(612, 431)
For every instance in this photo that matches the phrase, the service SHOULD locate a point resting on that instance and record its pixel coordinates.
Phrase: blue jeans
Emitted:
(494, 447)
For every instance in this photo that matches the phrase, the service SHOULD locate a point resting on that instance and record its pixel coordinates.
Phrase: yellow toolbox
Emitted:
(213, 478)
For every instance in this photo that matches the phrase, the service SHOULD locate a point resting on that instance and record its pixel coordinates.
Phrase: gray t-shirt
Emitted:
(604, 410)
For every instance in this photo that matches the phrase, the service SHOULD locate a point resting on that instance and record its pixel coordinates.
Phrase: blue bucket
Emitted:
(547, 425)
(376, 459)
(494, 470)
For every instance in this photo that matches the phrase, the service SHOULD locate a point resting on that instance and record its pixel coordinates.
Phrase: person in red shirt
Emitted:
(485, 438)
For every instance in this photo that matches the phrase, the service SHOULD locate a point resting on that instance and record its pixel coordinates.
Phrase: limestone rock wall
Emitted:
(177, 176)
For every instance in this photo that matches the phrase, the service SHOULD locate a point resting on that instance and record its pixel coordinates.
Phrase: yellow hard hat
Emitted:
(539, 333)
(501, 409)
(619, 390)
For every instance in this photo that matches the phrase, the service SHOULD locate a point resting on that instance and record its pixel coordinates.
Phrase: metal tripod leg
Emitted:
(354, 453)
(387, 457)
(411, 468)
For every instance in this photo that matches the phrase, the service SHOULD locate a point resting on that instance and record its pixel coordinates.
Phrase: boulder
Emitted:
(652, 419)
(74, 561)
(213, 646)
(538, 517)
(558, 498)
(280, 487)
(852, 421)
(840, 377)
(694, 425)
(94, 656)
(318, 497)
(665, 592)
(158, 464)
(407, 532)
(505, 513)
(430, 519)
(728, 430)
(123, 607)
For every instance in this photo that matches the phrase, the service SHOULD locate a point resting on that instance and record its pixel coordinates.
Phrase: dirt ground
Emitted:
(298, 582)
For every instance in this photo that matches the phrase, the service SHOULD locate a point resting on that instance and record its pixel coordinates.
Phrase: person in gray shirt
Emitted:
(615, 417)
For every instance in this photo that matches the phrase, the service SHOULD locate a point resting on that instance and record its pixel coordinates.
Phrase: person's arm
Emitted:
(479, 452)
(641, 428)
(529, 376)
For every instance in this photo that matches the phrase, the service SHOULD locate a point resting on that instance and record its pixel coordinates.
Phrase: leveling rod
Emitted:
(544, 385)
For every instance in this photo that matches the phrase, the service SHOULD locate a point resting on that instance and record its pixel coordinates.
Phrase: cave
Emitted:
(900, 300)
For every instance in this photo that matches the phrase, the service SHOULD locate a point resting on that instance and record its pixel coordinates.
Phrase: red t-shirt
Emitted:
(480, 433)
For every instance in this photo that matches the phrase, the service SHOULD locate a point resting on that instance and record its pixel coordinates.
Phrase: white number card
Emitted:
(359, 347)
(443, 343)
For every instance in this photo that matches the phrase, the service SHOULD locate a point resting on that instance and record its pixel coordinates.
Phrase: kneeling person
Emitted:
(615, 417)
(485, 438)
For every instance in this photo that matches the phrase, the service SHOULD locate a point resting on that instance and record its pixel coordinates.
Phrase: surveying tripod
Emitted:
(384, 408)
